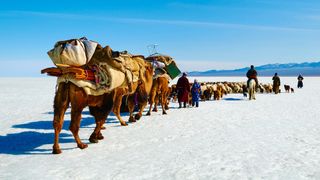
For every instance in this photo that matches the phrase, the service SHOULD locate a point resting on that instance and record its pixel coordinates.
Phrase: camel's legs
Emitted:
(100, 114)
(78, 99)
(131, 106)
(141, 108)
(142, 104)
(151, 101)
(61, 102)
(117, 105)
(75, 126)
(167, 102)
(163, 103)
(156, 102)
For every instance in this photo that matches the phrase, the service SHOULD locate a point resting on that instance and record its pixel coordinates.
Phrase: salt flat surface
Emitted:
(274, 137)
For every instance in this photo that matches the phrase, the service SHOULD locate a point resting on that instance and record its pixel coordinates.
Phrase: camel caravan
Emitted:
(106, 80)
(98, 77)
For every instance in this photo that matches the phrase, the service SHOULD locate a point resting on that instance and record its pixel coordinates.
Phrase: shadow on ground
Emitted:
(28, 142)
(47, 124)
(233, 99)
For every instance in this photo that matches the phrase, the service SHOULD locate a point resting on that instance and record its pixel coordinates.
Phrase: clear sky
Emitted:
(199, 35)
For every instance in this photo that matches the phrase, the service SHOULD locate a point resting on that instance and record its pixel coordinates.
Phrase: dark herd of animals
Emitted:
(133, 96)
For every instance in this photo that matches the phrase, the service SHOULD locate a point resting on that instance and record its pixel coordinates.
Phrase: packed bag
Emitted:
(73, 52)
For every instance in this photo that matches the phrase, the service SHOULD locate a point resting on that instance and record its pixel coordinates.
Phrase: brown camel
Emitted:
(160, 90)
(140, 68)
(158, 99)
(142, 88)
(99, 106)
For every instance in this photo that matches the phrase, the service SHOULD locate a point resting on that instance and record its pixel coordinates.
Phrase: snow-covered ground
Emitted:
(274, 137)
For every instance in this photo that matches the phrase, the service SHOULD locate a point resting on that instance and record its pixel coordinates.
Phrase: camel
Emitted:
(142, 88)
(157, 99)
(173, 93)
(100, 106)
(168, 98)
(160, 90)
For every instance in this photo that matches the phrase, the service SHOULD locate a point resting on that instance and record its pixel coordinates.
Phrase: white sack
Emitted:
(77, 52)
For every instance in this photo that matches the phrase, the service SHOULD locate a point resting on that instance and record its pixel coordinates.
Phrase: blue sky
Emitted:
(199, 35)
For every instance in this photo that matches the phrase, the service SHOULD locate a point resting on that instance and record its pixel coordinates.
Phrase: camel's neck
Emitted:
(149, 85)
(149, 81)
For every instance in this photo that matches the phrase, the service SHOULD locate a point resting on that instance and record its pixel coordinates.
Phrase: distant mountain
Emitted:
(290, 69)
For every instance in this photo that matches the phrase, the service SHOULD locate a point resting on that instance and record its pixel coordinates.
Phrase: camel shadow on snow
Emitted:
(29, 142)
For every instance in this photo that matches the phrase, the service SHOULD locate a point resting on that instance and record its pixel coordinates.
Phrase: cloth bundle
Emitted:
(73, 52)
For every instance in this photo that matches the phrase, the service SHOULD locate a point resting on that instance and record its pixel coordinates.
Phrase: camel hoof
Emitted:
(56, 151)
(137, 116)
(124, 124)
(100, 136)
(82, 146)
(148, 114)
(94, 138)
(155, 110)
(164, 112)
(131, 119)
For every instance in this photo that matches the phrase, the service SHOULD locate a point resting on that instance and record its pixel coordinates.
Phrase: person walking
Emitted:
(183, 88)
(195, 91)
(300, 83)
(276, 83)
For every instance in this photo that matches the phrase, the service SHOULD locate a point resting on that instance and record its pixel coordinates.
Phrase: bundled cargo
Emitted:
(165, 64)
(73, 52)
(85, 62)
(173, 70)
(96, 69)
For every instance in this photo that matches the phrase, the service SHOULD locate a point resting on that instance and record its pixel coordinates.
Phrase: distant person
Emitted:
(276, 83)
(252, 74)
(183, 88)
(195, 91)
(300, 83)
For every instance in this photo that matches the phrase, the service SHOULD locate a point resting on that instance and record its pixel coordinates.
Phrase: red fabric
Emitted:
(183, 88)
